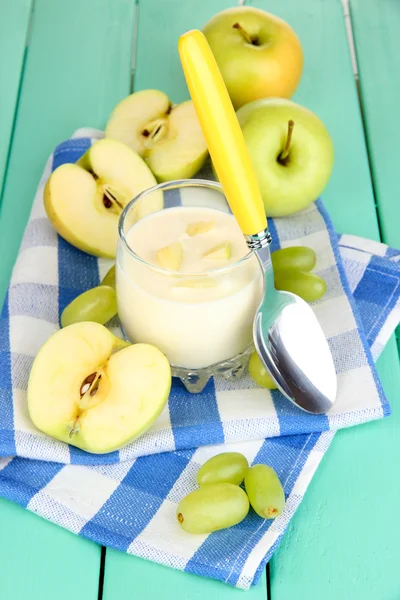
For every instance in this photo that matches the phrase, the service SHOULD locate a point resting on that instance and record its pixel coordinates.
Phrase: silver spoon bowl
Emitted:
(290, 342)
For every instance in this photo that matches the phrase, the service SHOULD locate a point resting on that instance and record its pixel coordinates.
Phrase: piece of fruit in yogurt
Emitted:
(199, 228)
(221, 251)
(170, 257)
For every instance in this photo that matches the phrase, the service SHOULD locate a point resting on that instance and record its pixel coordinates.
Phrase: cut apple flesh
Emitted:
(182, 150)
(199, 228)
(171, 256)
(222, 251)
(84, 390)
(168, 137)
(137, 117)
(84, 201)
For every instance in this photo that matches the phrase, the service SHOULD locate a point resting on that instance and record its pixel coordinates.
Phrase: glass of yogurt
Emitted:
(186, 281)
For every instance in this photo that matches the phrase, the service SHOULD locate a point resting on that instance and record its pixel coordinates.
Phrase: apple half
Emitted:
(85, 390)
(84, 200)
(167, 136)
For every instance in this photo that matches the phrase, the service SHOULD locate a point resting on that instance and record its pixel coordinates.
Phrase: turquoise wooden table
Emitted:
(65, 65)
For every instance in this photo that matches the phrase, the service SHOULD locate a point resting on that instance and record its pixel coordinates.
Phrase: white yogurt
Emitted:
(194, 326)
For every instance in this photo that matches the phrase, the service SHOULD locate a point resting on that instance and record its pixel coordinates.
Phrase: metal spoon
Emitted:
(287, 335)
(291, 343)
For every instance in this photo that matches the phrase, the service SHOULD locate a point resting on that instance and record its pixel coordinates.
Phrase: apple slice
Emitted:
(222, 251)
(198, 228)
(84, 200)
(168, 137)
(171, 256)
(83, 389)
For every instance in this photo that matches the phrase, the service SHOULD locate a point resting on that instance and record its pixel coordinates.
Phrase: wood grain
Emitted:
(376, 26)
(77, 68)
(14, 24)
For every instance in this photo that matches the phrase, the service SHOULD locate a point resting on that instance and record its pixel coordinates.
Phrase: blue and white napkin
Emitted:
(128, 499)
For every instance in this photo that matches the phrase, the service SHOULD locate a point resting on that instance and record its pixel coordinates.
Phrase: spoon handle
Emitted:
(222, 132)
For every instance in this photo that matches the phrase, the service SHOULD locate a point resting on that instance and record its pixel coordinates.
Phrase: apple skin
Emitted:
(290, 187)
(270, 69)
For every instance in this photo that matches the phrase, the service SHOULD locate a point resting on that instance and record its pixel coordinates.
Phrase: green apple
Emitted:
(291, 151)
(258, 54)
(84, 200)
(167, 136)
(85, 390)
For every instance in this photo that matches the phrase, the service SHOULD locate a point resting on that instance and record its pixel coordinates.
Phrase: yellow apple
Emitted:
(258, 54)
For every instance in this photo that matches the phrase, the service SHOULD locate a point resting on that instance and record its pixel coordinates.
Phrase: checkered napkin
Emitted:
(129, 503)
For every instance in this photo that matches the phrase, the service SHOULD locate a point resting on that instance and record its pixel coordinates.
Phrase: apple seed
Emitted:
(110, 200)
(155, 131)
(87, 383)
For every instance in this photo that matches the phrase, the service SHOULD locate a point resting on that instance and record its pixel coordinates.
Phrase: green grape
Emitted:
(299, 258)
(259, 374)
(228, 467)
(109, 278)
(98, 304)
(212, 507)
(306, 285)
(265, 491)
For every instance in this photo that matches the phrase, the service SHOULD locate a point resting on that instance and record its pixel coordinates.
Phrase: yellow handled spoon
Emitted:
(287, 335)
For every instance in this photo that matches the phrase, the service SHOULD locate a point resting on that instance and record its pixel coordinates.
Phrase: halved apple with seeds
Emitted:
(167, 136)
(84, 200)
(85, 390)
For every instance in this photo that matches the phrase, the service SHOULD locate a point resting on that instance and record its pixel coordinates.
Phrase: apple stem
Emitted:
(244, 33)
(285, 153)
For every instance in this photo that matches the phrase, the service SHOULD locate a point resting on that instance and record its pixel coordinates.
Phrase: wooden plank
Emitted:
(41, 561)
(77, 68)
(14, 23)
(343, 540)
(127, 578)
(376, 26)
